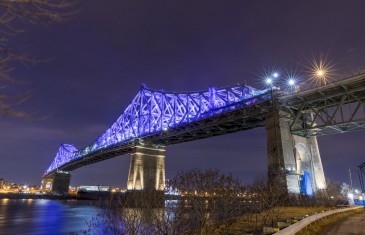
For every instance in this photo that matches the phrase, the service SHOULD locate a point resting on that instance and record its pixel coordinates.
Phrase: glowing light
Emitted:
(275, 74)
(268, 81)
(320, 73)
(321, 70)
(291, 82)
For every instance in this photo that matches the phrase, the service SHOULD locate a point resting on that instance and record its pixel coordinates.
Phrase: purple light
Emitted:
(155, 111)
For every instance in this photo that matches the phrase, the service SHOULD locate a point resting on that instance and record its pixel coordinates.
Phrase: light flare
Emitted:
(321, 70)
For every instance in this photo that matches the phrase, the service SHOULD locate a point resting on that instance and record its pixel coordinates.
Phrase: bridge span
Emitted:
(156, 119)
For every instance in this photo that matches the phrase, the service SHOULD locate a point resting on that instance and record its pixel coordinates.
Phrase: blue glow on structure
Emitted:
(305, 184)
(154, 111)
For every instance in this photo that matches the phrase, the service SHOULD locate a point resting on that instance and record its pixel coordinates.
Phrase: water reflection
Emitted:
(4, 201)
(43, 216)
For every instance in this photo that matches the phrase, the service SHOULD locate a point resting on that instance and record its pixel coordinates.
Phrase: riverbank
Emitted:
(36, 196)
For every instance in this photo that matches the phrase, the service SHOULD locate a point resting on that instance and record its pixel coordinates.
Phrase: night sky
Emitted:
(99, 59)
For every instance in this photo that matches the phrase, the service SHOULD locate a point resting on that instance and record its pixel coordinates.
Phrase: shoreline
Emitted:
(36, 196)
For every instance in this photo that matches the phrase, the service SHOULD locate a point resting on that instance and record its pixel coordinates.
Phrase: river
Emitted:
(41, 217)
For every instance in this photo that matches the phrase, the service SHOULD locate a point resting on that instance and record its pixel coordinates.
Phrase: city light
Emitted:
(275, 74)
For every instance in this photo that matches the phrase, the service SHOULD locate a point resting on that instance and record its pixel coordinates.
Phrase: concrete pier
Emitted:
(57, 182)
(147, 169)
(293, 161)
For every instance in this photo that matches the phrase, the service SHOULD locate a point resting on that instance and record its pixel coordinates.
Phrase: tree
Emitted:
(208, 198)
(211, 198)
(138, 213)
(15, 16)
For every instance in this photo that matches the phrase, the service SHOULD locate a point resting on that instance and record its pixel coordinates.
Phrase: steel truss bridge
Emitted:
(161, 118)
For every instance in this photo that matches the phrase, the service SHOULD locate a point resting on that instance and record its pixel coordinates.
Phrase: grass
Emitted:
(318, 227)
(251, 223)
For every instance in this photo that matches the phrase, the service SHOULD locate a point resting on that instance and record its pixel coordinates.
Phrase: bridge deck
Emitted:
(244, 118)
(332, 92)
(324, 104)
(335, 108)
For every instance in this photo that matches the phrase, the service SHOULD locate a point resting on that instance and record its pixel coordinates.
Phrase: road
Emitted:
(352, 225)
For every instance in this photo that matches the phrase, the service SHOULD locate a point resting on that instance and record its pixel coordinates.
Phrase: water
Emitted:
(40, 217)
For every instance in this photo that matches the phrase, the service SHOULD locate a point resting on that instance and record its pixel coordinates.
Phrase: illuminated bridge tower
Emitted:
(292, 160)
(147, 169)
(56, 182)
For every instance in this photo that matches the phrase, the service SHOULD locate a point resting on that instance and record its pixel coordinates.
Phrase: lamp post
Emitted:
(292, 85)
(321, 74)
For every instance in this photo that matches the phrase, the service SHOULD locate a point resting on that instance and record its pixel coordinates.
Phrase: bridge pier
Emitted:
(147, 169)
(56, 182)
(293, 161)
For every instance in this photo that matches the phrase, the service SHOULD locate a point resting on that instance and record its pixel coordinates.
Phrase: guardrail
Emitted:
(294, 228)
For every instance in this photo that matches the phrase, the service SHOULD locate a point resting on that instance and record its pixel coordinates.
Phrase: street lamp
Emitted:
(291, 82)
(268, 81)
(320, 73)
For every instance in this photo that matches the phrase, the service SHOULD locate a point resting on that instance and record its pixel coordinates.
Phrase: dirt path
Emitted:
(351, 225)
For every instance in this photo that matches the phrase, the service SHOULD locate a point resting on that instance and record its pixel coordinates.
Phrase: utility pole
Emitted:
(350, 180)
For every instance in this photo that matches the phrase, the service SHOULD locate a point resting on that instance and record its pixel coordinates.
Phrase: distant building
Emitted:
(169, 189)
(98, 188)
(1, 183)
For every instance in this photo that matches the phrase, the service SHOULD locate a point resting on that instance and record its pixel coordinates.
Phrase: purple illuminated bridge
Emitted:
(161, 118)
(156, 119)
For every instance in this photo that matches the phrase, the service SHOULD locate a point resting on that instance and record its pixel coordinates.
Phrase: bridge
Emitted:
(156, 119)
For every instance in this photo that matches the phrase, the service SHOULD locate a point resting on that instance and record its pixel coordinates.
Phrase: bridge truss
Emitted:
(161, 118)
(331, 109)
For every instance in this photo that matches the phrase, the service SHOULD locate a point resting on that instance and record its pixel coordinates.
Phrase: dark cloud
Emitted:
(99, 59)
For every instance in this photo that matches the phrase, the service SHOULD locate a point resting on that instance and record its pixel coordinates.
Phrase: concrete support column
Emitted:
(292, 158)
(147, 169)
(56, 182)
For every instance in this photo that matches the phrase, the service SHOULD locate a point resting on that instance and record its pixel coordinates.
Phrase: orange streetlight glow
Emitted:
(321, 70)
(320, 73)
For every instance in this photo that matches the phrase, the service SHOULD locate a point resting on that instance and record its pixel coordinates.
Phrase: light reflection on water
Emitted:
(23, 217)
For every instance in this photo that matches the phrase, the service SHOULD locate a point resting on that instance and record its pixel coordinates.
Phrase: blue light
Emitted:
(305, 184)
(268, 81)
(291, 82)
(275, 74)
(154, 111)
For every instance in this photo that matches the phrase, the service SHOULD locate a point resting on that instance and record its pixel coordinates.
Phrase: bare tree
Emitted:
(267, 200)
(138, 213)
(209, 203)
(212, 198)
(207, 199)
(15, 17)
